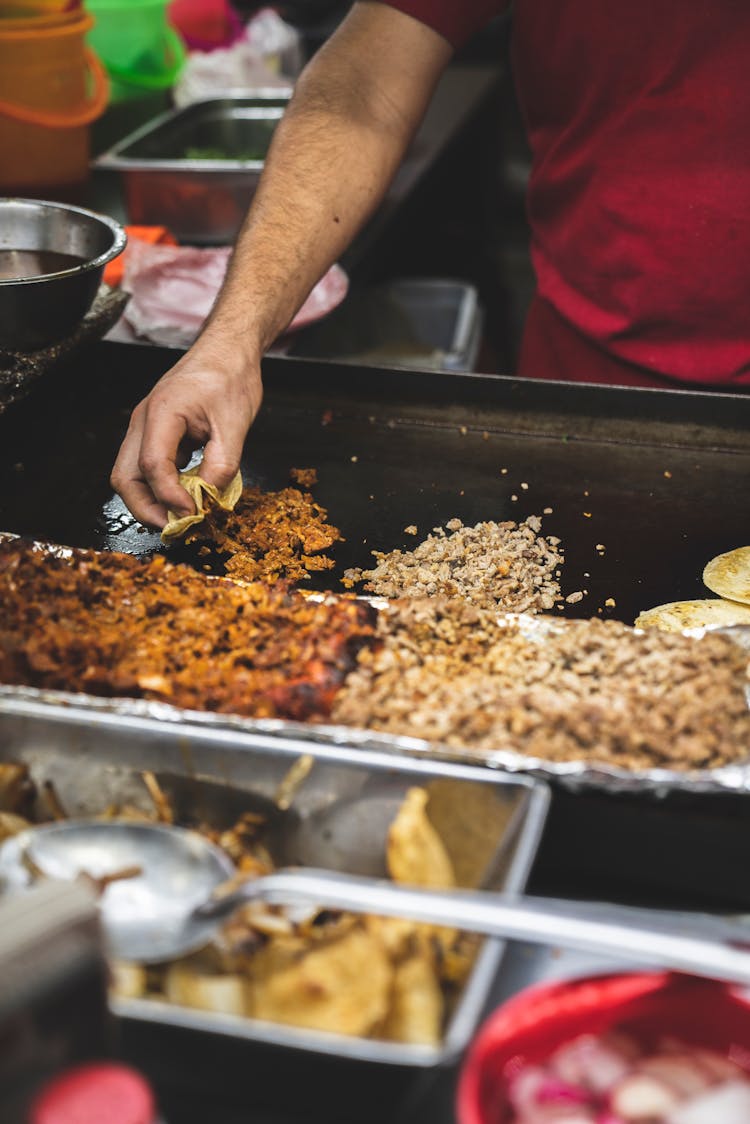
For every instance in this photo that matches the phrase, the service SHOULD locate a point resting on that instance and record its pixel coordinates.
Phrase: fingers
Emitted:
(163, 435)
(183, 412)
(137, 466)
(221, 459)
(230, 417)
(126, 477)
(137, 496)
(139, 499)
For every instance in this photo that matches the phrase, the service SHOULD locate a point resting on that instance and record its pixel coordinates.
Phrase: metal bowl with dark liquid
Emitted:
(52, 256)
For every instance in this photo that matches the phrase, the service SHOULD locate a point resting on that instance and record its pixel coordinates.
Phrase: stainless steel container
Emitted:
(194, 170)
(76, 244)
(95, 760)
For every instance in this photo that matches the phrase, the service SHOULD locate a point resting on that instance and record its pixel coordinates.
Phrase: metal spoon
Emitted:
(172, 908)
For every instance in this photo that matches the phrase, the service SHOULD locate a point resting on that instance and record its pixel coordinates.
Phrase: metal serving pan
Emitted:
(201, 199)
(96, 760)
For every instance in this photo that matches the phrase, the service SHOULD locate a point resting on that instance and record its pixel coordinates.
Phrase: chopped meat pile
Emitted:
(507, 565)
(271, 535)
(592, 690)
(434, 668)
(112, 624)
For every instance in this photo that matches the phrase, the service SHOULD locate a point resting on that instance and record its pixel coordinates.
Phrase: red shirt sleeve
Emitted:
(455, 20)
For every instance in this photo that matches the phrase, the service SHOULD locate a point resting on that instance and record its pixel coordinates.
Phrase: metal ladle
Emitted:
(172, 907)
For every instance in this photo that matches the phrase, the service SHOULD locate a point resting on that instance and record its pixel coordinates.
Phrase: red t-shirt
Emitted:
(638, 116)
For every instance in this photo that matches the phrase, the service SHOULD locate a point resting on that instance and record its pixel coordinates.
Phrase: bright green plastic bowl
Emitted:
(139, 47)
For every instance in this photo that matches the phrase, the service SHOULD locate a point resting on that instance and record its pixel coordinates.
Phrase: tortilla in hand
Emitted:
(729, 575)
(198, 490)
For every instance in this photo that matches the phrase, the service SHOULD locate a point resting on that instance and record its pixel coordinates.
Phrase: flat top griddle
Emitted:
(413, 457)
(656, 477)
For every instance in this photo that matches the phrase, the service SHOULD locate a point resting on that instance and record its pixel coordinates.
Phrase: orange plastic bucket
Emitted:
(51, 88)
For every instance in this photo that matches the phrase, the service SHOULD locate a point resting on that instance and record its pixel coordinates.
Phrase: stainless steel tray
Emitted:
(95, 758)
(199, 200)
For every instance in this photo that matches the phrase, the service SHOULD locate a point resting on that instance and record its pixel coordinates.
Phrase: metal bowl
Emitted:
(45, 307)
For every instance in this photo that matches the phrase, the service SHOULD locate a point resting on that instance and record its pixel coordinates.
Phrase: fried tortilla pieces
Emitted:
(414, 850)
(195, 982)
(374, 976)
(729, 575)
(706, 613)
(330, 971)
(200, 493)
(342, 987)
(416, 1008)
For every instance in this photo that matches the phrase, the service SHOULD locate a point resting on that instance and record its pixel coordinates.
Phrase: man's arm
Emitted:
(354, 111)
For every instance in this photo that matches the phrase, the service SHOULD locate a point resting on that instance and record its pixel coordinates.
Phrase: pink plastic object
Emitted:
(98, 1093)
(173, 289)
(527, 1029)
(205, 24)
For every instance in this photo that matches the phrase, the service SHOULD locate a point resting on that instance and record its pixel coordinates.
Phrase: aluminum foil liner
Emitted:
(575, 775)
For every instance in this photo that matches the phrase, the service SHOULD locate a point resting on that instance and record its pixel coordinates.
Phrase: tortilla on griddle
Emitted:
(678, 615)
(729, 575)
(197, 488)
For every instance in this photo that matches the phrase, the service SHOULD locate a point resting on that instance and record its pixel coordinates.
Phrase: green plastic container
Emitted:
(141, 50)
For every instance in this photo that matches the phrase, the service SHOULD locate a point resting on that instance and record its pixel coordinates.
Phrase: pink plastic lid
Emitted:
(99, 1093)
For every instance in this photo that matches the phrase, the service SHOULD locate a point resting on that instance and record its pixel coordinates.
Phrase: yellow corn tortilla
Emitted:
(677, 615)
(416, 856)
(415, 853)
(343, 986)
(416, 1010)
(729, 575)
(197, 488)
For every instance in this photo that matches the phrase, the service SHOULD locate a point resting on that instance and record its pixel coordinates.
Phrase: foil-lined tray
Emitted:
(33, 702)
(574, 775)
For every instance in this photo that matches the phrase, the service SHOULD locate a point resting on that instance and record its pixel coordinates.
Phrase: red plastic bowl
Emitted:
(529, 1027)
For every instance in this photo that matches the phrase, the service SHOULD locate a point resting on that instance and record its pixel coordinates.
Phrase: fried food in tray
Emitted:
(112, 624)
(322, 970)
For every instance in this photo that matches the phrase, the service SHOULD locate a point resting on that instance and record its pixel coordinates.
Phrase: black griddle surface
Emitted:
(656, 477)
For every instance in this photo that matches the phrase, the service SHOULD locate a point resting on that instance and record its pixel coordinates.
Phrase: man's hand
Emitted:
(354, 111)
(199, 402)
